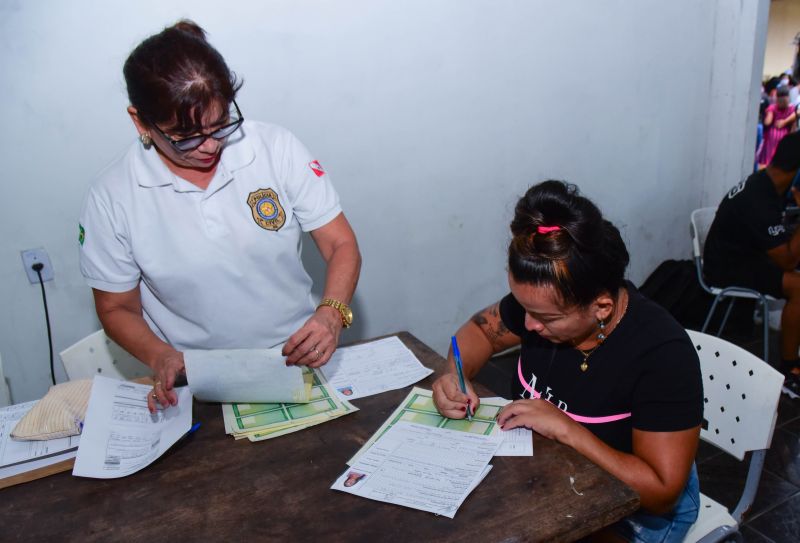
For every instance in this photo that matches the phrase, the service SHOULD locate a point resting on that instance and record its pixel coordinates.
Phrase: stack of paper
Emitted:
(422, 460)
(422, 467)
(18, 457)
(259, 421)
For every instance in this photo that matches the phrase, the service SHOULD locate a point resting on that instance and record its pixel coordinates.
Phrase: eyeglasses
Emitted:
(184, 145)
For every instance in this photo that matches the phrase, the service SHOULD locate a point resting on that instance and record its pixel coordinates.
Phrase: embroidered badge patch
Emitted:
(267, 210)
(81, 234)
(316, 167)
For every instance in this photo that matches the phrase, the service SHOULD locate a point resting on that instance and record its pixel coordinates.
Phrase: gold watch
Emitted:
(343, 309)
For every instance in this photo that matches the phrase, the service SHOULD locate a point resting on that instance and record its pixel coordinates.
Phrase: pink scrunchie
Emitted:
(547, 229)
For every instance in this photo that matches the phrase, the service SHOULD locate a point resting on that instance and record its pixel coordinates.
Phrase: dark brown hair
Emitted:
(787, 153)
(582, 258)
(176, 75)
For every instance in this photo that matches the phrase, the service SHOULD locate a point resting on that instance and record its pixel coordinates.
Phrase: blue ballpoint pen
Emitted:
(460, 370)
(189, 432)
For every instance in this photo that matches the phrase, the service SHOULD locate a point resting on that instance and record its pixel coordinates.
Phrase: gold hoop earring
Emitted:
(146, 140)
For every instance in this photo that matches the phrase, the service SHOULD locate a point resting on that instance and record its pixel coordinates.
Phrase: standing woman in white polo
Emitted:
(191, 239)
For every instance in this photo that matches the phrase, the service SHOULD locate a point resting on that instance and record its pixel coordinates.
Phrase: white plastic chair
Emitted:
(699, 225)
(96, 354)
(5, 393)
(741, 394)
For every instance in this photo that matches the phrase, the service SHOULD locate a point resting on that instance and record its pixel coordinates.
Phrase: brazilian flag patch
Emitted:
(81, 234)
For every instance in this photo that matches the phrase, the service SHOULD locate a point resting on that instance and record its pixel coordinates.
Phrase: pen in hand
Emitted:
(460, 370)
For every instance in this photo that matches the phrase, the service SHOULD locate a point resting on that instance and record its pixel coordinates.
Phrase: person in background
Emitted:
(779, 120)
(191, 239)
(602, 369)
(770, 87)
(795, 69)
(762, 110)
(748, 246)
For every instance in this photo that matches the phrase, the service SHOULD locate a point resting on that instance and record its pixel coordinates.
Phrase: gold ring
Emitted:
(157, 384)
(319, 354)
(154, 396)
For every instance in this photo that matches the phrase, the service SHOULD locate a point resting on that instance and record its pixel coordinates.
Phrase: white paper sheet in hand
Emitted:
(244, 375)
(120, 436)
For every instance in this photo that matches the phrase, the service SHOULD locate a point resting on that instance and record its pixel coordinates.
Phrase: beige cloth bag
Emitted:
(59, 414)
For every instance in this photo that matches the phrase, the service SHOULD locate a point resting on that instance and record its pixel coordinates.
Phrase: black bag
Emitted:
(674, 285)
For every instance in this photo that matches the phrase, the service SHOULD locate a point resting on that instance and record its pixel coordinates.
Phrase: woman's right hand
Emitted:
(450, 401)
(165, 369)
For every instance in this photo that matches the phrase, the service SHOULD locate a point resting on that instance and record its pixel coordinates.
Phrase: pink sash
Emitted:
(577, 418)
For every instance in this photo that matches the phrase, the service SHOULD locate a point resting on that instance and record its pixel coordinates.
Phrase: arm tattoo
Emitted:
(479, 319)
(493, 327)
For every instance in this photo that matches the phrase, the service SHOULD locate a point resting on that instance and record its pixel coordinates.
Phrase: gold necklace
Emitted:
(601, 337)
(586, 354)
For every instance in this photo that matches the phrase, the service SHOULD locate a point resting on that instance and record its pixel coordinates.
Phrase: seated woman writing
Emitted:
(601, 368)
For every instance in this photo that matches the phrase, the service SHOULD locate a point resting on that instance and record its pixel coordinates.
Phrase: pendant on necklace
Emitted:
(584, 365)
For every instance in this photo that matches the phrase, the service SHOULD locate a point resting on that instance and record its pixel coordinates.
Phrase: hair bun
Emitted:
(560, 238)
(187, 26)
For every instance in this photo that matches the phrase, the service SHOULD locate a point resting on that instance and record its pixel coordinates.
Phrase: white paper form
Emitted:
(418, 407)
(244, 375)
(422, 467)
(18, 456)
(374, 367)
(120, 436)
(516, 442)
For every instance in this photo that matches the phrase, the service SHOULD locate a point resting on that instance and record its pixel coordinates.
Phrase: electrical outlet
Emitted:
(31, 257)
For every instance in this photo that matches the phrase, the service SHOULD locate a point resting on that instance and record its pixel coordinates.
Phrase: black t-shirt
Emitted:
(647, 368)
(749, 222)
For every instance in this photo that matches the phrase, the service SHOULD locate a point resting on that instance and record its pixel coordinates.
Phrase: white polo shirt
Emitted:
(217, 268)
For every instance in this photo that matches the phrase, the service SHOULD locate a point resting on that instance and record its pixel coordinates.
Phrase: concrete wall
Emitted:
(784, 24)
(432, 118)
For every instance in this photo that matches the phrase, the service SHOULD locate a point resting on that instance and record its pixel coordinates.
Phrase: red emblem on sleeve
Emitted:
(316, 167)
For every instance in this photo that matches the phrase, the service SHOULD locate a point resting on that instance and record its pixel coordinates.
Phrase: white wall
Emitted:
(432, 118)
(734, 90)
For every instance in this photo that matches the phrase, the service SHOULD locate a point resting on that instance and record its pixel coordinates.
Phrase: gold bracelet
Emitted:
(343, 309)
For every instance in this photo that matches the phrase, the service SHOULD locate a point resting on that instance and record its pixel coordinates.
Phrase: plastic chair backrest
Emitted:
(701, 220)
(741, 394)
(96, 354)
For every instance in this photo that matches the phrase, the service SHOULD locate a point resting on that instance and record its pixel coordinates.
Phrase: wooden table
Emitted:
(212, 488)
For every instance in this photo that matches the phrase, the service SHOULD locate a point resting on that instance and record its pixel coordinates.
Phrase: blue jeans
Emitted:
(642, 527)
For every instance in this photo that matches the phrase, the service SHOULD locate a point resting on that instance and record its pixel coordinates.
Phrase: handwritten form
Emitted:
(422, 467)
(419, 408)
(120, 436)
(374, 367)
(244, 375)
(22, 456)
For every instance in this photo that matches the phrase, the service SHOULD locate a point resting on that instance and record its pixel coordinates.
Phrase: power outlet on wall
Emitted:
(34, 256)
